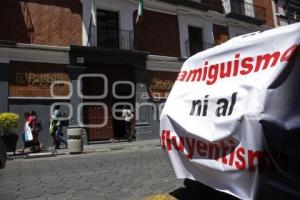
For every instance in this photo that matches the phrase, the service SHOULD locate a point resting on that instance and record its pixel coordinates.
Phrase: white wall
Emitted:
(124, 8)
(238, 30)
(193, 20)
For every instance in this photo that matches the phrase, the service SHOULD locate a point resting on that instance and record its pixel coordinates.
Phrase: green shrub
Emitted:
(8, 121)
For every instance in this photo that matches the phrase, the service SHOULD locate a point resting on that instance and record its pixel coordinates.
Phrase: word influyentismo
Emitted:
(226, 151)
(211, 73)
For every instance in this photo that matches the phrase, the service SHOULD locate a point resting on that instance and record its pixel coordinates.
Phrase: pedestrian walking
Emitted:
(56, 128)
(33, 122)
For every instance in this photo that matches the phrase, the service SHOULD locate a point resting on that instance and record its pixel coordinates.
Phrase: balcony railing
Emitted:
(242, 10)
(115, 39)
(293, 11)
(195, 47)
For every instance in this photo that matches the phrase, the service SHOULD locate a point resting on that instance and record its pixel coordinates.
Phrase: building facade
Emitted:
(100, 59)
(286, 12)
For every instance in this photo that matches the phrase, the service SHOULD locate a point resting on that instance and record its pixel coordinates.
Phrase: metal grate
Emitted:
(195, 47)
(115, 39)
(244, 9)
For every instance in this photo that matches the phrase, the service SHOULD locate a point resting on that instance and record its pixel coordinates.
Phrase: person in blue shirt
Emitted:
(57, 133)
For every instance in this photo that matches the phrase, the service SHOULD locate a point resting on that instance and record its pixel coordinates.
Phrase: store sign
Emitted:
(28, 79)
(35, 79)
(161, 84)
(160, 88)
(232, 119)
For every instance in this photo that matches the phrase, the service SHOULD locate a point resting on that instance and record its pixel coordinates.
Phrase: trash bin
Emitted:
(75, 142)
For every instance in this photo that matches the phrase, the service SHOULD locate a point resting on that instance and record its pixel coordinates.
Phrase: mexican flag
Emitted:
(140, 11)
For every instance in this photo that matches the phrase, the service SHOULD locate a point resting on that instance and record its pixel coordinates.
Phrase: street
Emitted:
(120, 174)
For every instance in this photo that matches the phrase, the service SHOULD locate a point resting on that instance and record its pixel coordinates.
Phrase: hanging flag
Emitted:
(140, 11)
(92, 24)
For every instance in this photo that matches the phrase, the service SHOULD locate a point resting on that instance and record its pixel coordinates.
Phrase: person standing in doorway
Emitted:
(57, 133)
(133, 129)
(128, 117)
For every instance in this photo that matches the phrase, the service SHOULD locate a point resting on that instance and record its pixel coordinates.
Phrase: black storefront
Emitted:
(127, 82)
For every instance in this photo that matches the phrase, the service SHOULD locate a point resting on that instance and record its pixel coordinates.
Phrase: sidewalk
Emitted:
(115, 146)
(93, 148)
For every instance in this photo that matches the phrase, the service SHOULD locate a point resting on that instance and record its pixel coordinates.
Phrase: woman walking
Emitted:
(35, 131)
(27, 135)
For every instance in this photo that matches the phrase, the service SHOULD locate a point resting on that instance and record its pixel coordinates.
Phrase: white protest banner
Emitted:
(232, 118)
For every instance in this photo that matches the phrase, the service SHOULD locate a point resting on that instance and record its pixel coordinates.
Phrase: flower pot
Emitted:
(10, 142)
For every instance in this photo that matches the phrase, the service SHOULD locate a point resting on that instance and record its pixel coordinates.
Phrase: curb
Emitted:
(93, 148)
(109, 147)
(160, 197)
(40, 155)
(43, 154)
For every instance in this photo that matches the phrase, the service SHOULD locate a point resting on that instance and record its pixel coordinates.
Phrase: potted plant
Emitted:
(8, 124)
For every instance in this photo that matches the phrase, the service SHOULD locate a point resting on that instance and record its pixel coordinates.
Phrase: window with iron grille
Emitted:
(107, 29)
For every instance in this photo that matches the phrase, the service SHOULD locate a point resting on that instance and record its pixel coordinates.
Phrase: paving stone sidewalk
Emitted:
(127, 173)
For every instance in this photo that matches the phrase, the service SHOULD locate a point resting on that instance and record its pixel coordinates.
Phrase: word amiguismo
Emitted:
(239, 66)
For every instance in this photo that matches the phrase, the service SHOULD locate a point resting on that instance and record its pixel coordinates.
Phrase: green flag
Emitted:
(140, 11)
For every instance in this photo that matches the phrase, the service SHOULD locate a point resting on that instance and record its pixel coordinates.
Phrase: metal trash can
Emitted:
(75, 142)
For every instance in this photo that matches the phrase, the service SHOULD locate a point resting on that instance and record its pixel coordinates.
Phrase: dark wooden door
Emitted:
(95, 115)
(95, 86)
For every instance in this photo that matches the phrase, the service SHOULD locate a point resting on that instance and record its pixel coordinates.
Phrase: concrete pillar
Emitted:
(145, 109)
(141, 92)
(74, 73)
(4, 79)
